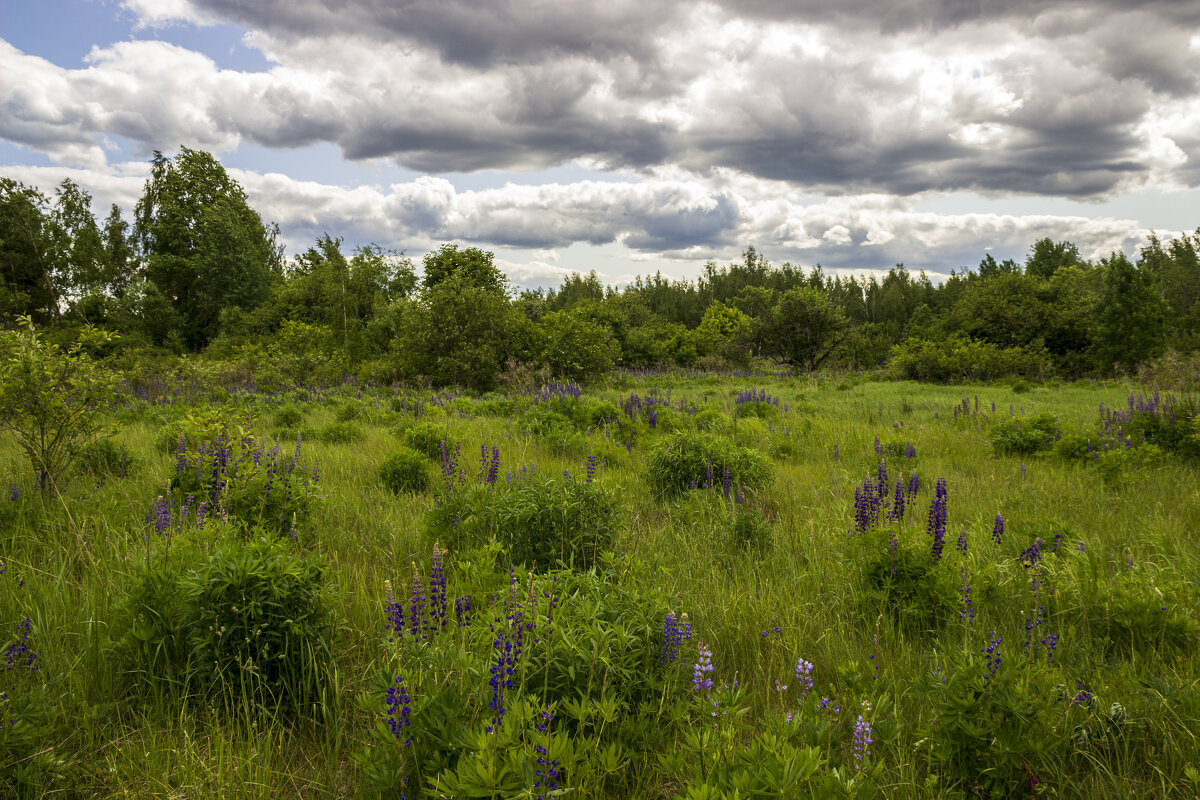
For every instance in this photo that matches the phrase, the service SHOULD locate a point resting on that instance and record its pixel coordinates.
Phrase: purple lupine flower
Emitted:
(726, 483)
(591, 468)
(708, 476)
(671, 634)
(968, 611)
(937, 519)
(910, 450)
(393, 612)
(1032, 554)
(701, 670)
(898, 498)
(961, 544)
(501, 675)
(1050, 642)
(417, 623)
(992, 651)
(462, 610)
(914, 484)
(998, 530)
(159, 515)
(494, 467)
(437, 591)
(836, 454)
(547, 773)
(20, 651)
(398, 711)
(862, 734)
(804, 670)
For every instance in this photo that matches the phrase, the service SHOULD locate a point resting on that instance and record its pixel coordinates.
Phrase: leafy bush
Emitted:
(1133, 620)
(427, 439)
(340, 433)
(255, 485)
(750, 530)
(1076, 447)
(348, 412)
(919, 597)
(249, 623)
(959, 359)
(105, 458)
(405, 470)
(1024, 435)
(538, 519)
(686, 460)
(288, 417)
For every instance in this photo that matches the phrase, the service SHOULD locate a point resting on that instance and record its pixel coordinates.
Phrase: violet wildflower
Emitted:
(417, 624)
(914, 484)
(437, 591)
(701, 670)
(501, 676)
(836, 453)
(961, 544)
(898, 498)
(804, 670)
(992, 651)
(998, 530)
(547, 773)
(159, 515)
(591, 468)
(398, 711)
(937, 519)
(462, 610)
(20, 650)
(393, 612)
(862, 734)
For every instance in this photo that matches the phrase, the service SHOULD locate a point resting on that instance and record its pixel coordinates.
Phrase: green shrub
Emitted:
(1076, 447)
(959, 359)
(405, 470)
(427, 439)
(348, 412)
(250, 624)
(1133, 620)
(750, 530)
(340, 433)
(257, 486)
(538, 519)
(919, 596)
(686, 461)
(1023, 435)
(105, 458)
(288, 417)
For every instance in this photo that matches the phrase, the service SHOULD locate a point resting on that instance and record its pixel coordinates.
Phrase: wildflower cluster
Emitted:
(937, 520)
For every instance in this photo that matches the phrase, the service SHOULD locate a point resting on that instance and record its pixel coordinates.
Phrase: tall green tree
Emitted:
(803, 329)
(205, 248)
(1047, 256)
(474, 266)
(31, 264)
(1131, 314)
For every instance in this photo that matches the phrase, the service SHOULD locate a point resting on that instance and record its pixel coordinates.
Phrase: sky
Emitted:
(628, 136)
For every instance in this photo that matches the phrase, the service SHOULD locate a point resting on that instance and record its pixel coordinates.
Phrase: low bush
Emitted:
(538, 519)
(288, 417)
(1024, 435)
(340, 433)
(427, 439)
(684, 461)
(105, 458)
(249, 624)
(405, 470)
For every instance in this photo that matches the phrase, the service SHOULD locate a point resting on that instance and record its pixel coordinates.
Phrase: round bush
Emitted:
(405, 471)
(340, 433)
(427, 438)
(686, 460)
(288, 417)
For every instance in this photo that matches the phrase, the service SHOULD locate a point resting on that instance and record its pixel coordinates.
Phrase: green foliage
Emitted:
(340, 433)
(256, 486)
(576, 348)
(288, 417)
(405, 471)
(688, 460)
(957, 359)
(1134, 620)
(105, 459)
(917, 593)
(803, 329)
(206, 248)
(249, 624)
(51, 400)
(1024, 435)
(427, 438)
(749, 529)
(538, 519)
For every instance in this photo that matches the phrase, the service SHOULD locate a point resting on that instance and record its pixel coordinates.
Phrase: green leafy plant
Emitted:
(405, 471)
(1024, 435)
(688, 460)
(52, 401)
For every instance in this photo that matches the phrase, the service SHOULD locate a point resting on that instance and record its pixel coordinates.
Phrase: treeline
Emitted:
(199, 271)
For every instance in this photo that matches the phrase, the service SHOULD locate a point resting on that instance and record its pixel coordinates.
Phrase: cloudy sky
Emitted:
(629, 136)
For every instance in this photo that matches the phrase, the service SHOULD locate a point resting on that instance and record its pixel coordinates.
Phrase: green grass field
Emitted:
(1095, 693)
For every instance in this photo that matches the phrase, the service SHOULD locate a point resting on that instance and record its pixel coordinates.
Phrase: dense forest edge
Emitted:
(199, 282)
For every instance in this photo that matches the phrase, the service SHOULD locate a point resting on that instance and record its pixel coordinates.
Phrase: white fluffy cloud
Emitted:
(665, 219)
(1078, 100)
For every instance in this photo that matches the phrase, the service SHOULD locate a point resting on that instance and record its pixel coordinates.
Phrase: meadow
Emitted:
(662, 585)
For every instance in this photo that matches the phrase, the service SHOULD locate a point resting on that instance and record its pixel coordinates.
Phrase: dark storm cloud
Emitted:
(1077, 99)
